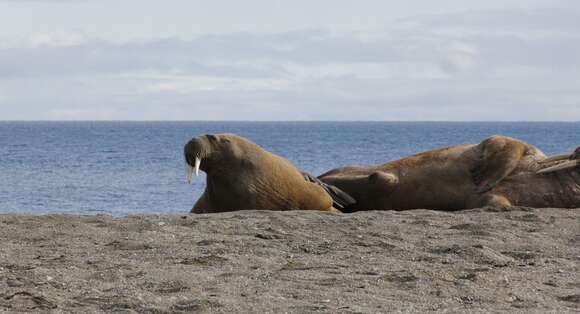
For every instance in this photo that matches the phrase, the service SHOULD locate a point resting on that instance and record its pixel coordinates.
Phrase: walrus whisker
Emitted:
(555, 158)
(561, 166)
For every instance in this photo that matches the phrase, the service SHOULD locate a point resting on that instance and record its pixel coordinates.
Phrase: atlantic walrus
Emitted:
(498, 171)
(555, 184)
(242, 175)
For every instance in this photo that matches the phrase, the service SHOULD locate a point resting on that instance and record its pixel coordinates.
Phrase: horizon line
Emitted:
(303, 121)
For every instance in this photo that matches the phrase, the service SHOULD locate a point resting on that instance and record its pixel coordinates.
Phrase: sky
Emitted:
(414, 60)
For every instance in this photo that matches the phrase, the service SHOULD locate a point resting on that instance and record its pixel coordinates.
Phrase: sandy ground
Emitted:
(480, 261)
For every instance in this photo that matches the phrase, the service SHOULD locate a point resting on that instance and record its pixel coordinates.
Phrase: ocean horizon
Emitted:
(300, 121)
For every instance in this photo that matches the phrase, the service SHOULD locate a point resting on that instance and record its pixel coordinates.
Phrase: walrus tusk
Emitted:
(555, 158)
(197, 164)
(189, 172)
(561, 166)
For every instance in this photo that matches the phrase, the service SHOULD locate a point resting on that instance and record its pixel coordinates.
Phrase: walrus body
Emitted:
(558, 189)
(556, 184)
(498, 171)
(241, 175)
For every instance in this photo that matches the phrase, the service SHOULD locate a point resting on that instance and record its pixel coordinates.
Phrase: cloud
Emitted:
(483, 65)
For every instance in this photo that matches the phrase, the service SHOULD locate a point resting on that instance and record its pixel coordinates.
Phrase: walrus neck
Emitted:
(216, 188)
(219, 184)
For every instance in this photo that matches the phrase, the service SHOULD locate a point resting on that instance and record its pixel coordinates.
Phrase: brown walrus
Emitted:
(556, 184)
(242, 175)
(500, 171)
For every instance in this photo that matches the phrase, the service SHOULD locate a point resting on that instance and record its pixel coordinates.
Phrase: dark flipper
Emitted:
(340, 199)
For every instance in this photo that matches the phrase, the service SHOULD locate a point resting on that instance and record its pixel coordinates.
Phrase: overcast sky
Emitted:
(290, 60)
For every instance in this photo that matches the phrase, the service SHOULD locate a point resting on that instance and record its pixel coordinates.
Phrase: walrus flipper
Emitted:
(499, 157)
(340, 199)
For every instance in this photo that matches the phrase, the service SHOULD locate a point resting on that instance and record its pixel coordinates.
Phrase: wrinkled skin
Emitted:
(500, 171)
(242, 175)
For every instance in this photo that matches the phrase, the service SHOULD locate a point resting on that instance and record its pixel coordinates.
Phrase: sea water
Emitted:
(124, 168)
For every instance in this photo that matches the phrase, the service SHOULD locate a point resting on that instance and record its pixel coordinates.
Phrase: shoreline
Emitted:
(481, 260)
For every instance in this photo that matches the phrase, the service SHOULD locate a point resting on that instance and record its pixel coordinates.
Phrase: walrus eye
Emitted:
(211, 137)
(226, 141)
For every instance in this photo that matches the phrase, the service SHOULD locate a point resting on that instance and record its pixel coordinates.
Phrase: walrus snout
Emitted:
(197, 147)
(195, 151)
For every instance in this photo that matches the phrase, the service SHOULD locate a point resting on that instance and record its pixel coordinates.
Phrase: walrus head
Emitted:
(209, 151)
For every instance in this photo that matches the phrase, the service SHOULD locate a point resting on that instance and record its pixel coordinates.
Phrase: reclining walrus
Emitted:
(242, 175)
(500, 171)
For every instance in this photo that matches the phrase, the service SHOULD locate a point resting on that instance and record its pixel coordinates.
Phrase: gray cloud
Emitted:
(484, 65)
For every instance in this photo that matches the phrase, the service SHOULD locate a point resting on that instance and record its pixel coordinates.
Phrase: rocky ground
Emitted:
(479, 261)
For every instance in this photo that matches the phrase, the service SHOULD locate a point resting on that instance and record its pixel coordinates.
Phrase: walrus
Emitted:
(499, 171)
(556, 184)
(242, 175)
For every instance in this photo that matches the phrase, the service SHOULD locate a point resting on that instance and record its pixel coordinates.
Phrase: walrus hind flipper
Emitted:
(499, 157)
(340, 199)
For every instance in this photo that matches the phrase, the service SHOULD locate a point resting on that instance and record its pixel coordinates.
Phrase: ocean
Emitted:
(123, 168)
